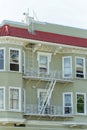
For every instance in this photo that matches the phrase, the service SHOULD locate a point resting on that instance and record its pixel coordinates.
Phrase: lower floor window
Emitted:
(14, 98)
(67, 103)
(80, 103)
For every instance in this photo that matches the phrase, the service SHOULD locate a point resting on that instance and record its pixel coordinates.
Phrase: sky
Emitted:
(63, 12)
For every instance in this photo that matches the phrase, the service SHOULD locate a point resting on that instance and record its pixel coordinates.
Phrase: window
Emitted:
(81, 103)
(80, 67)
(43, 62)
(14, 60)
(67, 67)
(15, 99)
(23, 62)
(67, 103)
(2, 98)
(2, 59)
(41, 97)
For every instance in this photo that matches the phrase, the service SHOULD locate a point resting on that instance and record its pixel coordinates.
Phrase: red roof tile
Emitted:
(7, 30)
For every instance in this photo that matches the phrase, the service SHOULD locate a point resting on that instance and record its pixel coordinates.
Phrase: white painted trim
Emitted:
(18, 60)
(70, 57)
(18, 110)
(64, 101)
(83, 66)
(84, 94)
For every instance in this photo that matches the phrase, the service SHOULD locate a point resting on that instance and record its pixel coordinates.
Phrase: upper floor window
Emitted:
(67, 67)
(2, 98)
(14, 60)
(81, 103)
(80, 67)
(2, 59)
(14, 96)
(43, 62)
(67, 103)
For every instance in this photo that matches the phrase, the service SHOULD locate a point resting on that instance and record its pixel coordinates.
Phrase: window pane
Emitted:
(14, 56)
(43, 61)
(2, 59)
(67, 99)
(67, 62)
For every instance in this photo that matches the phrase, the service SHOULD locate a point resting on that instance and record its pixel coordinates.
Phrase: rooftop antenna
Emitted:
(29, 20)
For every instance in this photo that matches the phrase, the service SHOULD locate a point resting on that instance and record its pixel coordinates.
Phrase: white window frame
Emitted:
(67, 106)
(3, 109)
(4, 60)
(64, 67)
(84, 94)
(83, 67)
(16, 49)
(48, 60)
(19, 106)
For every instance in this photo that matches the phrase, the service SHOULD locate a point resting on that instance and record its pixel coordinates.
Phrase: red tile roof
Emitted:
(7, 30)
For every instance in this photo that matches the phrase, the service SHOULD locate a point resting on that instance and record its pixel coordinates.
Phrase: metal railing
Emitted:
(33, 109)
(52, 74)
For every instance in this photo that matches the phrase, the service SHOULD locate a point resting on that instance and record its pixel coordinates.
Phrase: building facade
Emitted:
(43, 76)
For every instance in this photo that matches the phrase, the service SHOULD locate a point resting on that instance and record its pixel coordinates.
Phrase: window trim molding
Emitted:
(84, 103)
(63, 65)
(48, 60)
(71, 102)
(19, 59)
(84, 67)
(17, 110)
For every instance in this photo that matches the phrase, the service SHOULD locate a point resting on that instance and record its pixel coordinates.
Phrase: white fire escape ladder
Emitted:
(48, 96)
